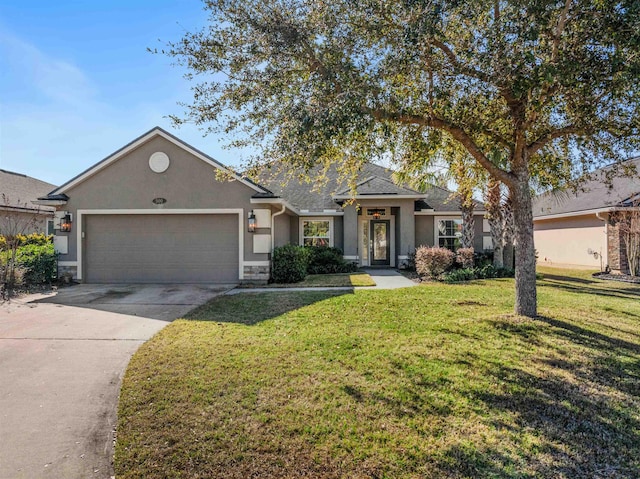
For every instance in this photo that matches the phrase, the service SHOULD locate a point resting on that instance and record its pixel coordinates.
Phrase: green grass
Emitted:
(436, 381)
(327, 281)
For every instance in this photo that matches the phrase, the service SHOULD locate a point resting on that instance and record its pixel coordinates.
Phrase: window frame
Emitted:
(328, 219)
(436, 229)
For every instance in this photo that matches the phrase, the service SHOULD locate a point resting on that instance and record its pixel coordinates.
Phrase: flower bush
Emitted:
(433, 261)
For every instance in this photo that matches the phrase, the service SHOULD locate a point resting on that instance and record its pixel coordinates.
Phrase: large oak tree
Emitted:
(536, 91)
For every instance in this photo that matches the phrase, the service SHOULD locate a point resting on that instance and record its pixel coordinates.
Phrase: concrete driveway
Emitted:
(62, 357)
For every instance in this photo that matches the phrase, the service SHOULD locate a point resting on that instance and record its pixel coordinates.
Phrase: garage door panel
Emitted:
(161, 248)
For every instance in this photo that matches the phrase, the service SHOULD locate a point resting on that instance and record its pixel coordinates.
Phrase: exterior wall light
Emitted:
(251, 222)
(65, 223)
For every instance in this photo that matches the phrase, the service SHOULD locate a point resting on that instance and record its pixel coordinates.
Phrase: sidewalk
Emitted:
(384, 279)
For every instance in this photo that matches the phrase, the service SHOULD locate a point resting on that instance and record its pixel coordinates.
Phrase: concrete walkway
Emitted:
(389, 278)
(383, 277)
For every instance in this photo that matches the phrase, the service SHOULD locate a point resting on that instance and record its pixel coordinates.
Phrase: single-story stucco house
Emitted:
(19, 213)
(158, 210)
(576, 229)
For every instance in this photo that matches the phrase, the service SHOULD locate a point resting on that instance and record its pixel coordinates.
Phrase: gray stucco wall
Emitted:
(338, 232)
(188, 183)
(424, 230)
(350, 229)
(478, 234)
(294, 230)
(282, 233)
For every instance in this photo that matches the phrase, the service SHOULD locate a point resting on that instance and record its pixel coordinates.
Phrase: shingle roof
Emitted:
(372, 180)
(594, 194)
(376, 185)
(20, 190)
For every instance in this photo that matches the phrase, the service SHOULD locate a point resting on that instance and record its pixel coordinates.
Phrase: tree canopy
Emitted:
(535, 91)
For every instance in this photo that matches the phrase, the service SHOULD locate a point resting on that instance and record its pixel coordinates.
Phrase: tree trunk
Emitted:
(508, 233)
(468, 227)
(493, 204)
(526, 298)
(507, 255)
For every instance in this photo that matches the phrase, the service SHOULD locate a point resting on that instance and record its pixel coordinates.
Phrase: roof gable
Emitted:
(155, 132)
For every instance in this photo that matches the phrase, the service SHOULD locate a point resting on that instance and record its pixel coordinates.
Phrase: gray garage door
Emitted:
(161, 248)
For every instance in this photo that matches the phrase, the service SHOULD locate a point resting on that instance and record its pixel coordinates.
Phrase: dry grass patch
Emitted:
(428, 382)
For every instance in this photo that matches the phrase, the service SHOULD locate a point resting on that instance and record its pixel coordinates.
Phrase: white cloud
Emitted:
(57, 80)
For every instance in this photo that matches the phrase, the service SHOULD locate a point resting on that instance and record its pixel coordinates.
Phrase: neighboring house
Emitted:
(158, 210)
(16, 203)
(575, 229)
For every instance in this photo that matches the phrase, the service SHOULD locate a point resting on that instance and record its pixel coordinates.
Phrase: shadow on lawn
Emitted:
(257, 307)
(580, 285)
(580, 408)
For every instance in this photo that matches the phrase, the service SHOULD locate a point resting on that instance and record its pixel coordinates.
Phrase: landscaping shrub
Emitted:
(39, 262)
(490, 271)
(482, 259)
(432, 262)
(290, 264)
(328, 260)
(458, 275)
(38, 239)
(465, 257)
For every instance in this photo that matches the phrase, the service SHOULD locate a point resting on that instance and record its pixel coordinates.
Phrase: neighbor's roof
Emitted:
(595, 194)
(372, 180)
(20, 190)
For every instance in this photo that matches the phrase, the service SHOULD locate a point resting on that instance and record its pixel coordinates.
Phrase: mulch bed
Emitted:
(625, 278)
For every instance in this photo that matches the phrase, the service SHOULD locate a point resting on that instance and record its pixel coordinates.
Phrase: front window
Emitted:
(449, 233)
(316, 232)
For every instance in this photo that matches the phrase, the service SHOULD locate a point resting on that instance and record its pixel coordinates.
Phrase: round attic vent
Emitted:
(159, 162)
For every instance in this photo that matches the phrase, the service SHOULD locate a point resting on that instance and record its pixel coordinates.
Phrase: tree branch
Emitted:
(559, 30)
(453, 59)
(456, 132)
(542, 141)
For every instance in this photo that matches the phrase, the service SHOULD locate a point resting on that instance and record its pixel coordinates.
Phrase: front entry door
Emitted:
(380, 243)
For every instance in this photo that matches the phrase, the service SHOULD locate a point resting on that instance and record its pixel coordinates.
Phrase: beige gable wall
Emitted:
(188, 183)
(567, 241)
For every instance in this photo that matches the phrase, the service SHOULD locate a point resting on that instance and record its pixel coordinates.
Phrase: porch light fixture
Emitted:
(65, 223)
(251, 222)
(376, 213)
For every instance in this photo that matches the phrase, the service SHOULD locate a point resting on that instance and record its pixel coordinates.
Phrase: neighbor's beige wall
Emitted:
(566, 241)
(129, 183)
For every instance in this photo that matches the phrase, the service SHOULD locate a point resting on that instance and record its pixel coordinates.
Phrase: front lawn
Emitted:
(435, 381)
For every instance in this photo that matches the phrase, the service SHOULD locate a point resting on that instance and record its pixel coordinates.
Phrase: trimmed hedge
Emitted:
(328, 260)
(290, 263)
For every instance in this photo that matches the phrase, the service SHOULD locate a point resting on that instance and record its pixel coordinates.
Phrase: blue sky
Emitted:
(77, 82)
